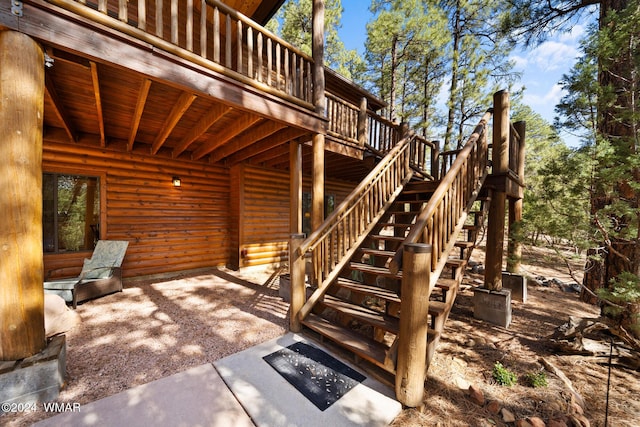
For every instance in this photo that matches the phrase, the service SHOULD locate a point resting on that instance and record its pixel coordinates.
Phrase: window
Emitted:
(70, 212)
(329, 206)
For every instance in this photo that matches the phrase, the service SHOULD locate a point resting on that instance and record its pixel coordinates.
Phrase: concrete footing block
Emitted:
(38, 378)
(492, 306)
(517, 284)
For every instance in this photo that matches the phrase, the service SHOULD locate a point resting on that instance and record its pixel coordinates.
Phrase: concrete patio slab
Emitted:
(196, 397)
(271, 401)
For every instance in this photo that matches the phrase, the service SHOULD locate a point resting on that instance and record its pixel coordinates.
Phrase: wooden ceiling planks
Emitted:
(277, 139)
(215, 113)
(246, 139)
(226, 134)
(179, 109)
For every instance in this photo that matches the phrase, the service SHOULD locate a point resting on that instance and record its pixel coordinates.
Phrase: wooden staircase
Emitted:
(368, 296)
(361, 309)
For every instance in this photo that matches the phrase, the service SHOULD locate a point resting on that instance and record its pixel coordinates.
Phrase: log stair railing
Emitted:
(362, 257)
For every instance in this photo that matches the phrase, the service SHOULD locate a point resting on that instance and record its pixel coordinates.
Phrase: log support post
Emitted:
(362, 123)
(297, 277)
(435, 160)
(317, 194)
(21, 268)
(500, 160)
(412, 336)
(295, 186)
(514, 249)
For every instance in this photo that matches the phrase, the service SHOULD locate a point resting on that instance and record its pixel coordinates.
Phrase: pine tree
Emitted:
(293, 23)
(615, 176)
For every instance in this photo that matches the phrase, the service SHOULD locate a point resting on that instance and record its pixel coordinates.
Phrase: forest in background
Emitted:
(587, 196)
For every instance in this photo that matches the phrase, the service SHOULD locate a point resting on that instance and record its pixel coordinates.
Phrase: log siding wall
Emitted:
(169, 229)
(260, 200)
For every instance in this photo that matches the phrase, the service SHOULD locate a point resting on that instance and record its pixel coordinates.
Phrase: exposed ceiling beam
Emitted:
(178, 110)
(59, 109)
(226, 134)
(247, 139)
(96, 93)
(214, 114)
(281, 150)
(137, 115)
(265, 144)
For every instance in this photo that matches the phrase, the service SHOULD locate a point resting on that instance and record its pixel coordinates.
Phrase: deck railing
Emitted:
(213, 35)
(383, 134)
(343, 119)
(332, 245)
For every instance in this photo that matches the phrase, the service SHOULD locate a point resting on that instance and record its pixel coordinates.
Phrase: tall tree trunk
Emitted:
(454, 77)
(620, 251)
(392, 90)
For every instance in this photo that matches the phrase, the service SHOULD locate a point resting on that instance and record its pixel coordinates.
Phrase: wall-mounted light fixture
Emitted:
(176, 181)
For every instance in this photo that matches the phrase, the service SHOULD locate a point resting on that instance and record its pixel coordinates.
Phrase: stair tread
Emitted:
(383, 237)
(364, 314)
(436, 308)
(381, 271)
(464, 244)
(395, 224)
(363, 288)
(455, 262)
(362, 346)
(446, 284)
(421, 187)
(379, 252)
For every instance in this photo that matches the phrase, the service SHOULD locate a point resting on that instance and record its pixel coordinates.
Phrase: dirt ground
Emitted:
(469, 348)
(159, 327)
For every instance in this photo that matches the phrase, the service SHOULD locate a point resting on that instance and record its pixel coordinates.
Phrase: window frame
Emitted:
(102, 178)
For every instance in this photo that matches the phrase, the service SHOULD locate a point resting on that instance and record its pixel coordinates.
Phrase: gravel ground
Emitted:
(156, 328)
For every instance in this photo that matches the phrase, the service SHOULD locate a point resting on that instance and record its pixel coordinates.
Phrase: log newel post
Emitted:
(297, 277)
(21, 254)
(514, 249)
(362, 122)
(412, 336)
(500, 160)
(435, 160)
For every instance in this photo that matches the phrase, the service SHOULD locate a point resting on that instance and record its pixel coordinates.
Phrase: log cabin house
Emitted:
(188, 130)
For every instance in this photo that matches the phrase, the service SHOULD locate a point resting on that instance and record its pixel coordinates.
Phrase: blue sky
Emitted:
(542, 67)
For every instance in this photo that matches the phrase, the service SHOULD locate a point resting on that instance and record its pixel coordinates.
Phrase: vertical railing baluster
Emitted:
(286, 71)
(269, 60)
(294, 77)
(159, 22)
(309, 83)
(142, 15)
(300, 67)
(259, 49)
(278, 65)
(239, 46)
(250, 52)
(174, 21)
(189, 27)
(227, 44)
(102, 6)
(123, 14)
(203, 27)
(216, 35)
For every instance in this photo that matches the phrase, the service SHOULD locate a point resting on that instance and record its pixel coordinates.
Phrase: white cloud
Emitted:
(553, 55)
(519, 62)
(545, 101)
